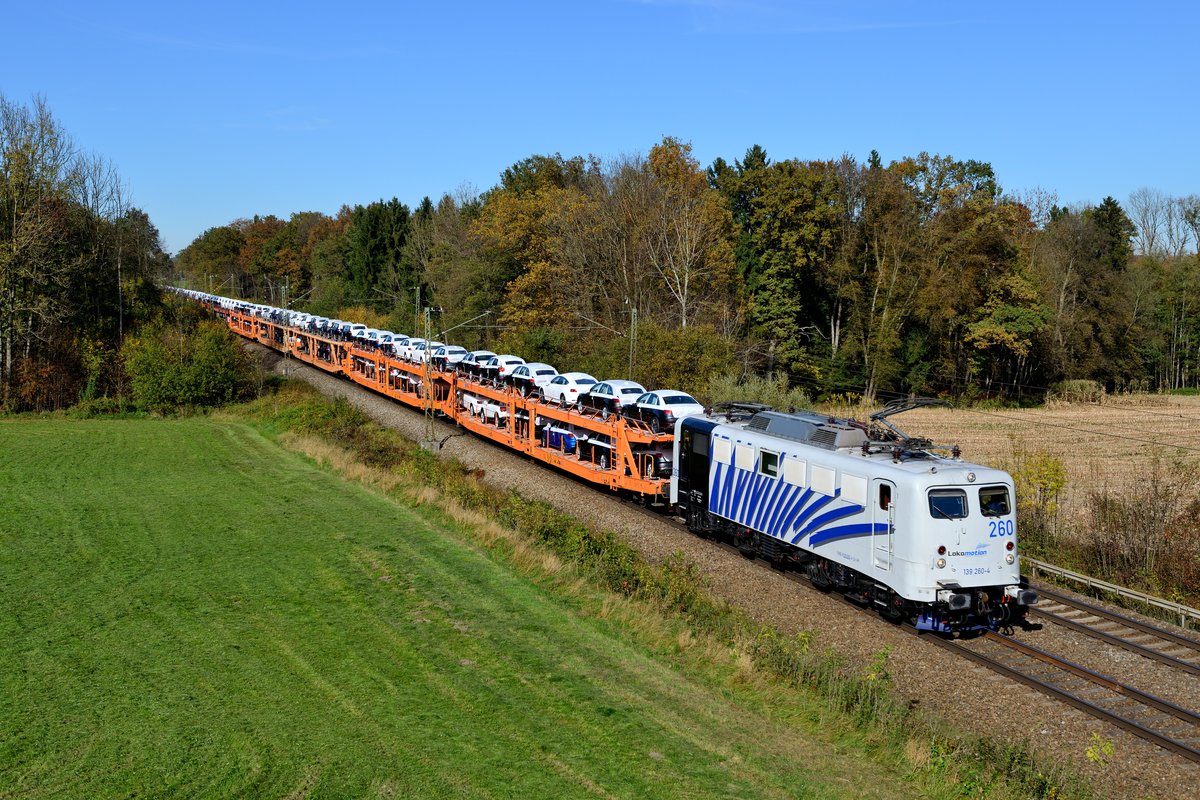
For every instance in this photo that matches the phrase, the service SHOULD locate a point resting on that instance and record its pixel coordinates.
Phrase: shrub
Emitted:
(47, 382)
(1144, 535)
(364, 315)
(1076, 391)
(1040, 479)
(171, 367)
(774, 391)
(99, 407)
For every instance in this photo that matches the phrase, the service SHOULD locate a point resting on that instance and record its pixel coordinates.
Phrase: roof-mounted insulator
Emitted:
(896, 455)
(956, 451)
(866, 448)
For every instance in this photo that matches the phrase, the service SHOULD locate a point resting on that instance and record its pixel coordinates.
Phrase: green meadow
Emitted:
(187, 609)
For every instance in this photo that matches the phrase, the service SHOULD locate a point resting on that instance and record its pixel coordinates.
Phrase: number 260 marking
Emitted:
(1000, 527)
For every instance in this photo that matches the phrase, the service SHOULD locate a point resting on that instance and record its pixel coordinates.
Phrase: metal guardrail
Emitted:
(1186, 614)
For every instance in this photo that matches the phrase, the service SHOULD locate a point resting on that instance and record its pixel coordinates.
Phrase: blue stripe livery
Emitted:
(783, 510)
(847, 532)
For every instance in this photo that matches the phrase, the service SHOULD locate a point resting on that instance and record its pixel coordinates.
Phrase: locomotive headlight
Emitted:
(970, 477)
(941, 563)
(1009, 558)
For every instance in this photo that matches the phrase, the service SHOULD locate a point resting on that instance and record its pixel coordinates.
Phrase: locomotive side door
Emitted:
(883, 532)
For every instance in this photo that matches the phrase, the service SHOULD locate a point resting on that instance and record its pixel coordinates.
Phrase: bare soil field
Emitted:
(1107, 446)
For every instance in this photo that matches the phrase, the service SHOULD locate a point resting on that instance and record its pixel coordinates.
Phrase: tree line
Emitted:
(916, 276)
(920, 275)
(78, 264)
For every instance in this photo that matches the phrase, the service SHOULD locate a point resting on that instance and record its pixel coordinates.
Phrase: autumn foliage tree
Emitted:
(77, 264)
(918, 275)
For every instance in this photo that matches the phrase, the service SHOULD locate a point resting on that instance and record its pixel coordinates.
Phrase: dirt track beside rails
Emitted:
(971, 697)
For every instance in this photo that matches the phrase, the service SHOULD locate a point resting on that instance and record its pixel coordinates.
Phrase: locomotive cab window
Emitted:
(947, 503)
(768, 463)
(993, 501)
(885, 496)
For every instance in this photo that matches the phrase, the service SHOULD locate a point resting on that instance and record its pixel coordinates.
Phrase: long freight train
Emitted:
(891, 521)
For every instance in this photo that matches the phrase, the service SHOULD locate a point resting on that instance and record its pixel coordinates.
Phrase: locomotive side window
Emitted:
(885, 496)
(768, 463)
(824, 480)
(993, 500)
(854, 489)
(947, 503)
(794, 471)
(743, 456)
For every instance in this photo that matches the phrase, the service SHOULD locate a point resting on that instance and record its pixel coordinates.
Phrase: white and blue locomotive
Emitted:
(861, 508)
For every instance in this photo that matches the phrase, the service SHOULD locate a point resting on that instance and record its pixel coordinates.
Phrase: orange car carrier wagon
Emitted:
(606, 450)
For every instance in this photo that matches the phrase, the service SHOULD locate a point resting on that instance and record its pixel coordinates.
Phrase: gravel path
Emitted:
(971, 697)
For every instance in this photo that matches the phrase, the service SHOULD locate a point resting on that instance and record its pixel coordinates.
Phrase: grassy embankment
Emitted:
(190, 609)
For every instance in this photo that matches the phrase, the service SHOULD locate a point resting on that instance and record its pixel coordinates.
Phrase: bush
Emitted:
(1039, 479)
(774, 391)
(675, 358)
(1076, 391)
(364, 315)
(100, 407)
(1144, 536)
(171, 367)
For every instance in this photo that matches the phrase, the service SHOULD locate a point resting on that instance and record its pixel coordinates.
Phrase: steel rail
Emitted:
(1095, 677)
(1123, 723)
(1113, 639)
(1185, 613)
(1112, 616)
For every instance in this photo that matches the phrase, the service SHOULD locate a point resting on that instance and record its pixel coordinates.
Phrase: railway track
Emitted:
(1150, 641)
(1144, 715)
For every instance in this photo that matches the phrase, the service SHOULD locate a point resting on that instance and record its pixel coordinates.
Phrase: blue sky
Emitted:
(216, 111)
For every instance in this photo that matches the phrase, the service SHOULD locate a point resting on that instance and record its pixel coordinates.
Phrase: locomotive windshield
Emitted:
(993, 500)
(948, 503)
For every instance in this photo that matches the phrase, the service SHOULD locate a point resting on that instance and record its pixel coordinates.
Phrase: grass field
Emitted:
(189, 610)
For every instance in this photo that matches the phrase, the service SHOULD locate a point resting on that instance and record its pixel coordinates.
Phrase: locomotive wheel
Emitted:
(817, 576)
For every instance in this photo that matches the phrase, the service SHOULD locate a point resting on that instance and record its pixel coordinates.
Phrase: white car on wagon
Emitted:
(565, 389)
(610, 396)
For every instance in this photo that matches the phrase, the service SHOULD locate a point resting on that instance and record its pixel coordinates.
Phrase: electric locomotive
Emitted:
(862, 508)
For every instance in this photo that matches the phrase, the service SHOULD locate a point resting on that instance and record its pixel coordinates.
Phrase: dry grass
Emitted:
(1109, 446)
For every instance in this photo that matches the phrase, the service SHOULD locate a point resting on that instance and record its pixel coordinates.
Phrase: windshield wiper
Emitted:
(938, 512)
